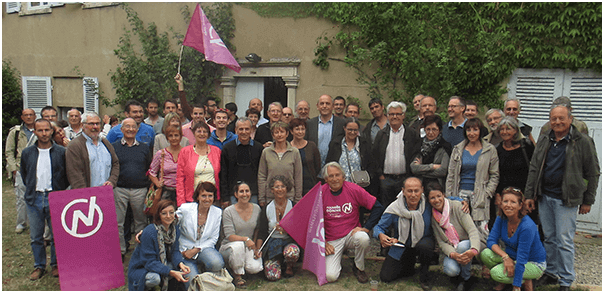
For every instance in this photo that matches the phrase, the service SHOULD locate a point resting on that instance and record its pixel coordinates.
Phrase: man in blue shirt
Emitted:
(145, 133)
(453, 133)
(324, 128)
(221, 136)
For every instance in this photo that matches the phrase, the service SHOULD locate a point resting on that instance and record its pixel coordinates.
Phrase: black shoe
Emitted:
(361, 275)
(564, 288)
(383, 251)
(546, 279)
(461, 286)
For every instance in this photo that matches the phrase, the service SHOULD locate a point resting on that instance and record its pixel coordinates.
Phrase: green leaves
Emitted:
(467, 49)
(148, 64)
(12, 98)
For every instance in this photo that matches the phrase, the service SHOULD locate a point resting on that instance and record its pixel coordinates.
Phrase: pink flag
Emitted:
(308, 214)
(202, 37)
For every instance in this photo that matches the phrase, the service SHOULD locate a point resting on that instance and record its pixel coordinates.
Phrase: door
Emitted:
(246, 90)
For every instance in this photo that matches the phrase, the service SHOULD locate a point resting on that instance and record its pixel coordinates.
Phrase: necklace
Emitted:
(205, 151)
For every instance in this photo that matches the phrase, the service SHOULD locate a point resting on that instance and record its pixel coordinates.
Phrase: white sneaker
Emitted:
(19, 229)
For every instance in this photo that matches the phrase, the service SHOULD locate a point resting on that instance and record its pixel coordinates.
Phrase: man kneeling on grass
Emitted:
(341, 203)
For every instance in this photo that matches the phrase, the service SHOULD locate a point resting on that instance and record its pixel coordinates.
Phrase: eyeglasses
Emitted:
(395, 114)
(512, 190)
(287, 114)
(431, 129)
(493, 119)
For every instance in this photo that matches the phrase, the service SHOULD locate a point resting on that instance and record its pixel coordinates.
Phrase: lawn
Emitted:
(17, 265)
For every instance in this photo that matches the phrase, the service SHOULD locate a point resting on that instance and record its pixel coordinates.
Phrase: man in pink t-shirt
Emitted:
(341, 203)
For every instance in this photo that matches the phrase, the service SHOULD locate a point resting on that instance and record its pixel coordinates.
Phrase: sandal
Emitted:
(486, 272)
(240, 282)
(289, 271)
(499, 287)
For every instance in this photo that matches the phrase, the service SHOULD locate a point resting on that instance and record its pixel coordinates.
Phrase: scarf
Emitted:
(408, 218)
(429, 146)
(165, 237)
(443, 222)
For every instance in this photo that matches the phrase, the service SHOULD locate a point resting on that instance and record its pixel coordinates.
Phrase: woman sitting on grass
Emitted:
(280, 248)
(524, 255)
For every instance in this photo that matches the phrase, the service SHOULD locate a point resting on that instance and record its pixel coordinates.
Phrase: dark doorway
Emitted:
(274, 91)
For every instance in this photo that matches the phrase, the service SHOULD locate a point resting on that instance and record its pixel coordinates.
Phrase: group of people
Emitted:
(453, 185)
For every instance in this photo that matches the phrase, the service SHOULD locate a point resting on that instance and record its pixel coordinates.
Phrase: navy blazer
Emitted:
(312, 129)
(29, 165)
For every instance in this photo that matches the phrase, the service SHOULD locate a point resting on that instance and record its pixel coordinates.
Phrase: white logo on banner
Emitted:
(79, 215)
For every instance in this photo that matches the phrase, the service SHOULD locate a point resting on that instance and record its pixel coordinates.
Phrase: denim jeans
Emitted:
(452, 268)
(211, 260)
(559, 223)
(389, 188)
(153, 279)
(39, 217)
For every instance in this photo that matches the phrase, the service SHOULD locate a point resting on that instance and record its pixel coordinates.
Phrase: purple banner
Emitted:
(314, 255)
(86, 239)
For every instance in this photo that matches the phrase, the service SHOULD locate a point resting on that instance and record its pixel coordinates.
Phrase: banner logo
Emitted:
(78, 215)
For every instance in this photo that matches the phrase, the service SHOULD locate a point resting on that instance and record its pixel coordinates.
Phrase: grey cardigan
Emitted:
(487, 178)
(290, 165)
(463, 225)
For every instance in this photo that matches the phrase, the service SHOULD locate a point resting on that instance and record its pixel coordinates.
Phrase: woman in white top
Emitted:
(240, 246)
(199, 224)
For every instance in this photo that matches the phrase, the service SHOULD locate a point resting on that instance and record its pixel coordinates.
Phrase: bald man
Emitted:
(257, 104)
(324, 128)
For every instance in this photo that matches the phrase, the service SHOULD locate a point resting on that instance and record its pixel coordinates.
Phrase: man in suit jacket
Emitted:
(393, 150)
(324, 128)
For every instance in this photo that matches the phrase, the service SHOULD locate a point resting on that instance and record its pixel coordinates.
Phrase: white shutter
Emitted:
(535, 89)
(584, 88)
(54, 4)
(12, 7)
(37, 92)
(91, 94)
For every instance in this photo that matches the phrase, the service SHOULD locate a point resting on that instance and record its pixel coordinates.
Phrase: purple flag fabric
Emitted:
(86, 239)
(308, 214)
(202, 37)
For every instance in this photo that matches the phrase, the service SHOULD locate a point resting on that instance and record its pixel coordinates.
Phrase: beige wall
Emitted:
(54, 44)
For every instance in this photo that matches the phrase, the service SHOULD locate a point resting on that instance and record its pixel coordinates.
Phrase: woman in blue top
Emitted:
(157, 258)
(524, 255)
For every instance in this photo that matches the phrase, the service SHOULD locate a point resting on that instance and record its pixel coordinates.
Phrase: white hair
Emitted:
(395, 104)
(87, 115)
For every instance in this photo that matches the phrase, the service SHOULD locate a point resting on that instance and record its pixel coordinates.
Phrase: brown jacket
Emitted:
(78, 163)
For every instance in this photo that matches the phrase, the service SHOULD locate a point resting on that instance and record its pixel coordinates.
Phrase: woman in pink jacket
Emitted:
(197, 163)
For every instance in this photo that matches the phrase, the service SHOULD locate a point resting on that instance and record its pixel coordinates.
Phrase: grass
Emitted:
(17, 265)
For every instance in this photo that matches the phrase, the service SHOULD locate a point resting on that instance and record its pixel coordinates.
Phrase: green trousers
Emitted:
(494, 262)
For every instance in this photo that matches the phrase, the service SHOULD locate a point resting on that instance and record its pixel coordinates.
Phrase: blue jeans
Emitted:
(559, 224)
(452, 268)
(253, 199)
(390, 187)
(210, 258)
(39, 216)
(153, 279)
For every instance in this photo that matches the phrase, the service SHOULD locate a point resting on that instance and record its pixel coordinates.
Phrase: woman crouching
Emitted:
(157, 258)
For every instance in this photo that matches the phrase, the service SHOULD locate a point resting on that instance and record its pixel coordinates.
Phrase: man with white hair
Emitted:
(90, 160)
(75, 124)
(392, 166)
(493, 117)
(302, 110)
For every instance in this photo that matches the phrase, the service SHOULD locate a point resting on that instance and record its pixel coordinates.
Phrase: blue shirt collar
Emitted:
(238, 142)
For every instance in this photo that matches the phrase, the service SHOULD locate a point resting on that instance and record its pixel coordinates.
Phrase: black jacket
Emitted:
(412, 146)
(229, 168)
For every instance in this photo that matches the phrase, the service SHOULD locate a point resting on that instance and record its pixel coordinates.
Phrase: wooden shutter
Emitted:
(37, 92)
(90, 86)
(12, 7)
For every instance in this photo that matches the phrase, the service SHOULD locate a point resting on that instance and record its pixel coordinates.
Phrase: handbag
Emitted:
(210, 281)
(361, 177)
(154, 194)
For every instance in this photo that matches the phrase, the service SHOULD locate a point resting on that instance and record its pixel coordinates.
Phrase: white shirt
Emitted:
(43, 171)
(394, 163)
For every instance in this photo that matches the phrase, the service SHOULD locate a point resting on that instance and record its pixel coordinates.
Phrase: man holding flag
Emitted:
(341, 203)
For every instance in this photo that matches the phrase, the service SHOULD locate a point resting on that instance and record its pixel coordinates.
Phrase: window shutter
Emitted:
(12, 7)
(37, 92)
(91, 94)
(55, 4)
(585, 92)
(535, 89)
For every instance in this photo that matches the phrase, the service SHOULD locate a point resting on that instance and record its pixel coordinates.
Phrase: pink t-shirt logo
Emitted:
(347, 208)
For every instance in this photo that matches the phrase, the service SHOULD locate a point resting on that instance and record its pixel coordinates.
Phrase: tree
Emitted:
(149, 72)
(464, 49)
(12, 99)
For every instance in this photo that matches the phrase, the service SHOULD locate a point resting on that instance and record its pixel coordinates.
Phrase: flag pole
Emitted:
(180, 57)
(267, 238)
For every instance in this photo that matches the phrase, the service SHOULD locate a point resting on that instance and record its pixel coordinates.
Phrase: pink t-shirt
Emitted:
(341, 213)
